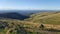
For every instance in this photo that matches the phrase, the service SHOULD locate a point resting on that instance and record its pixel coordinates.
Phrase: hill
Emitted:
(39, 23)
(12, 26)
(51, 20)
(13, 15)
(46, 17)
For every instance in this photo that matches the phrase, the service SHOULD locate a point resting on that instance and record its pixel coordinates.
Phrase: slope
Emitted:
(46, 17)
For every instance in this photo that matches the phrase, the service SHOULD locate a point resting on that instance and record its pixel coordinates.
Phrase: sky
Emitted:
(30, 4)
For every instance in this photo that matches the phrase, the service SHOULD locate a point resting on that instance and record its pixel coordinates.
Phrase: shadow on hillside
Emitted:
(13, 16)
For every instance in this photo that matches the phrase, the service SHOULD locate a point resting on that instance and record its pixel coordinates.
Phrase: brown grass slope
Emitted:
(47, 18)
(50, 20)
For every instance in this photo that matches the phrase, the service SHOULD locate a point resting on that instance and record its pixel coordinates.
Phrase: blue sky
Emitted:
(30, 4)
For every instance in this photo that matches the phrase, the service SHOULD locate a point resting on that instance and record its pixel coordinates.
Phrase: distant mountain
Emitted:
(26, 12)
(20, 14)
(13, 15)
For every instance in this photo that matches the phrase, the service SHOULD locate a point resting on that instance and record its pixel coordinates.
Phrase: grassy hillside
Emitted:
(50, 21)
(12, 26)
(46, 18)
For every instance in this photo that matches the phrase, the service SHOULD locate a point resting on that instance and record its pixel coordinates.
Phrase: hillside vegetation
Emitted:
(51, 20)
(46, 18)
(12, 26)
(39, 23)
